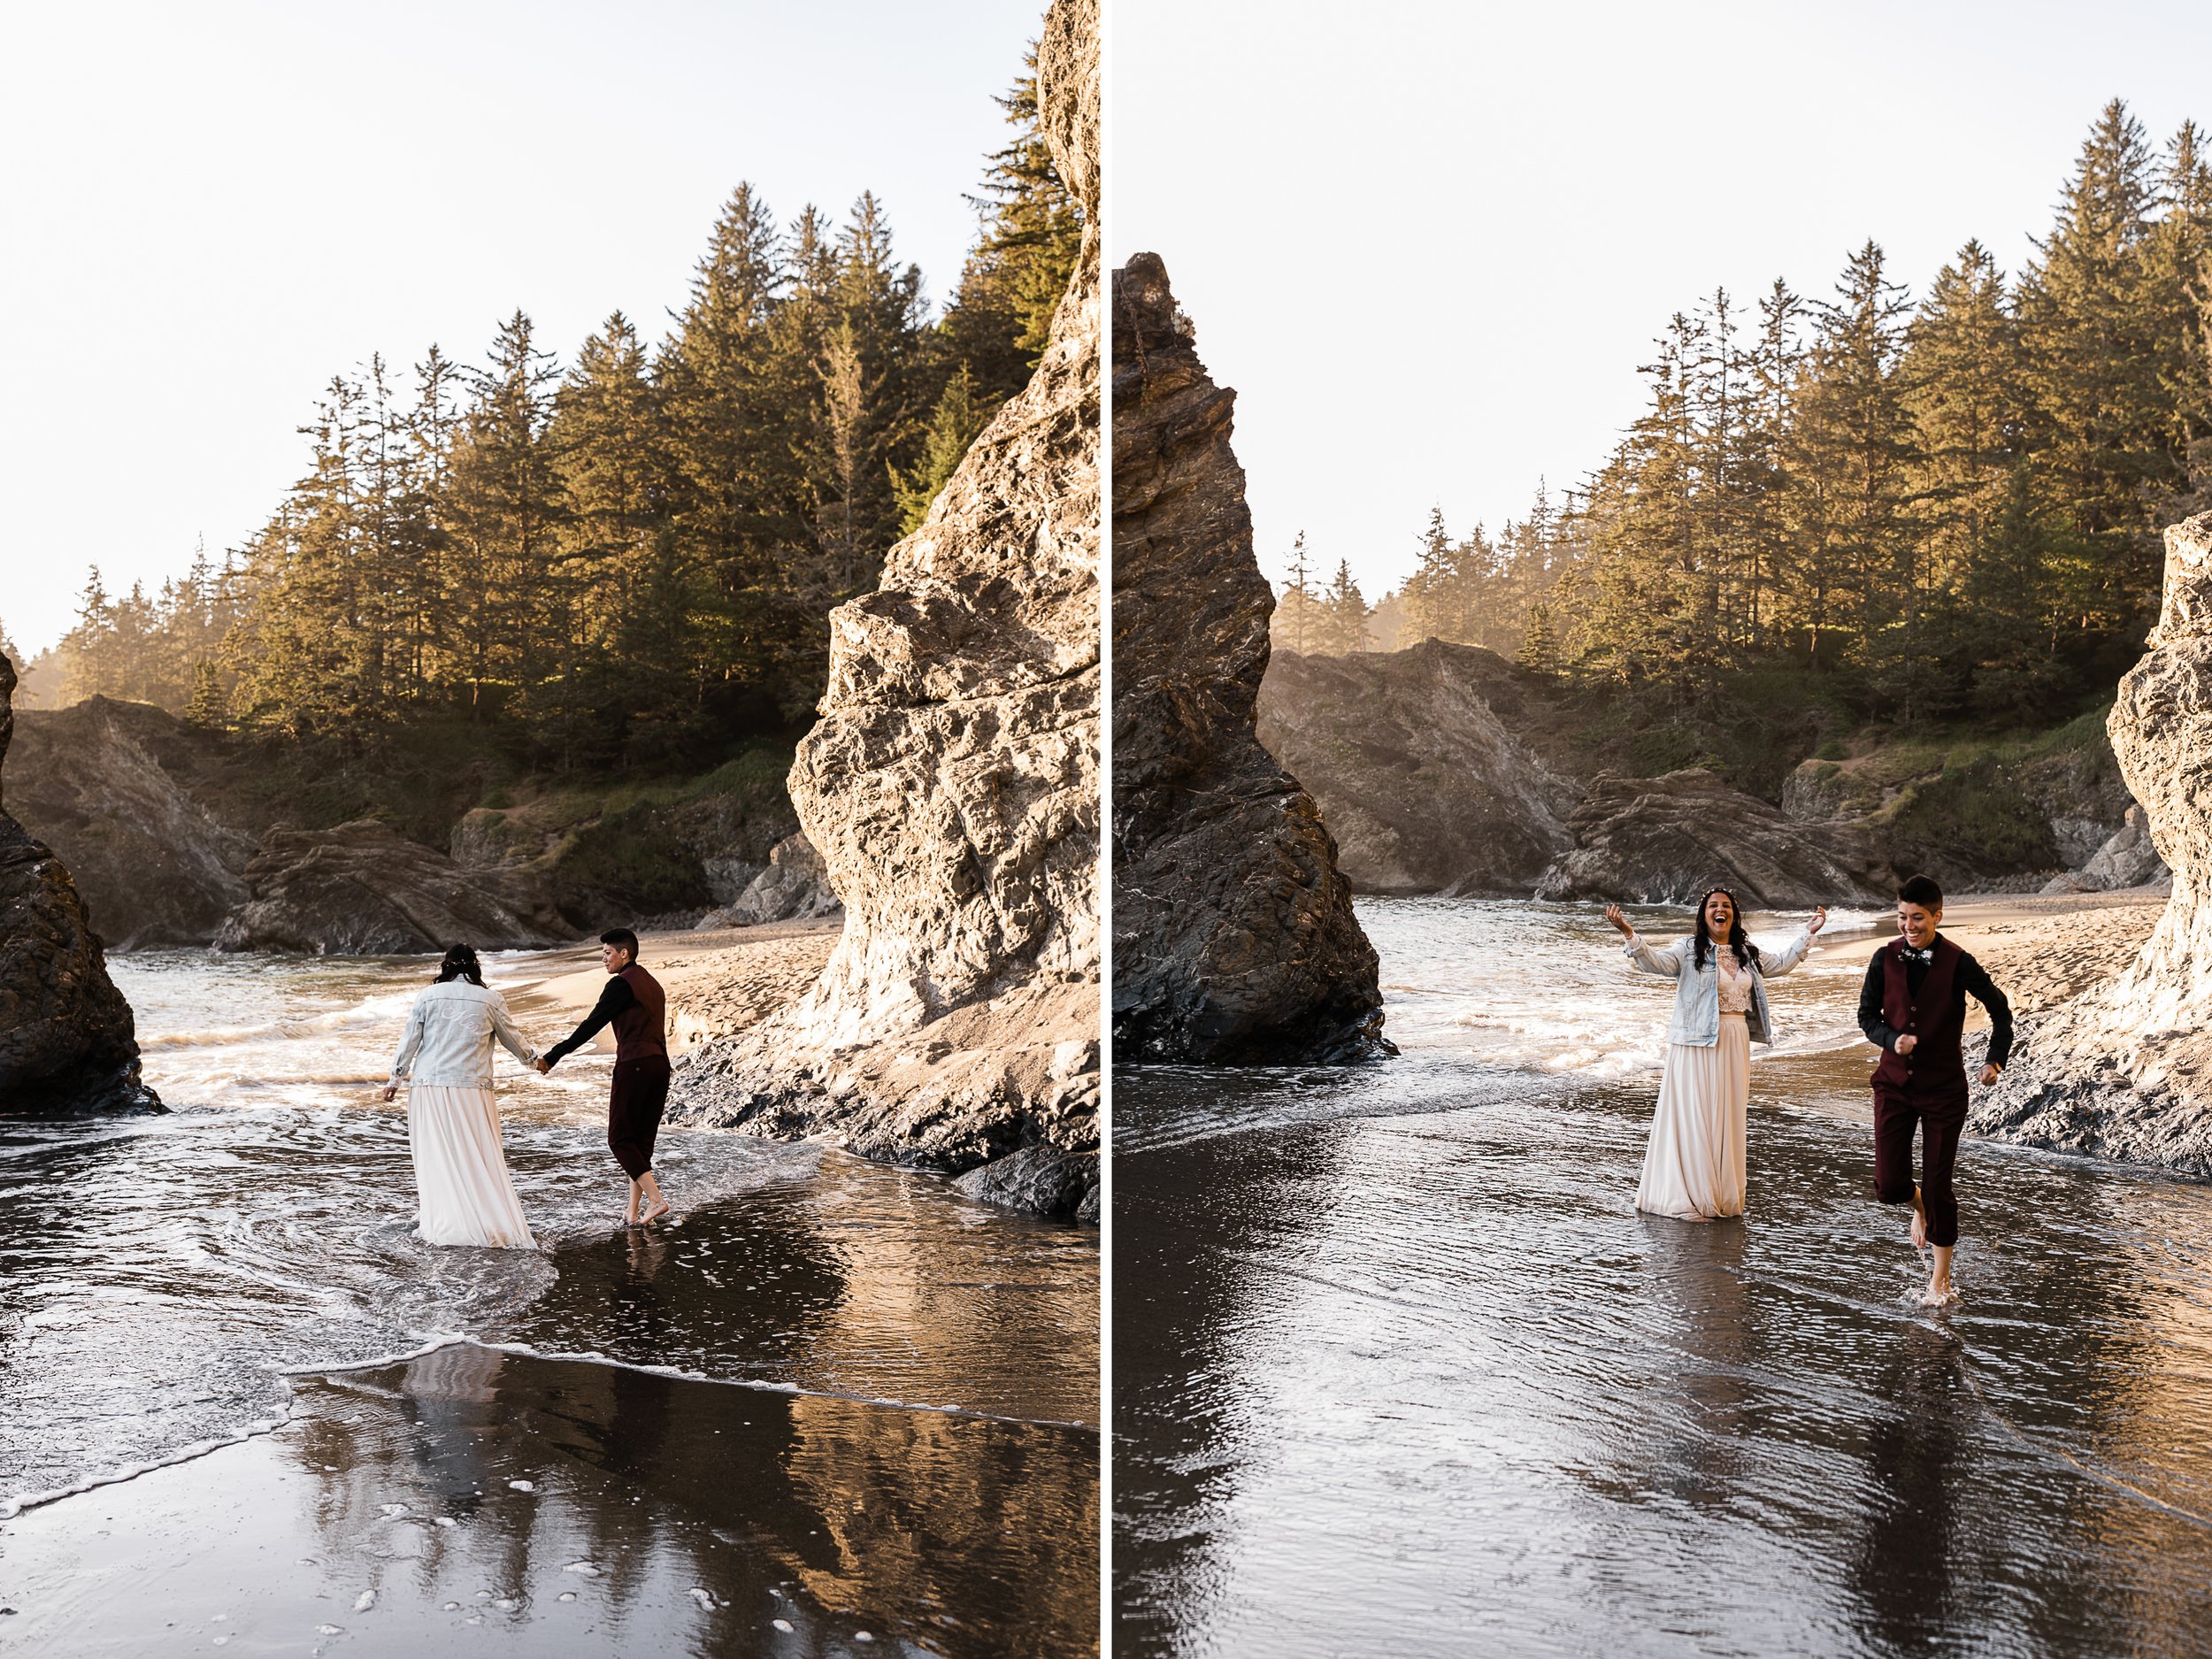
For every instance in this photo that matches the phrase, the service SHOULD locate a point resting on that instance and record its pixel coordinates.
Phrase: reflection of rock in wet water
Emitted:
(1399, 1370)
(574, 1508)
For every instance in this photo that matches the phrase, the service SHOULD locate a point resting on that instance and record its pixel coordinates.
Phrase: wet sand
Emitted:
(1399, 1368)
(470, 1500)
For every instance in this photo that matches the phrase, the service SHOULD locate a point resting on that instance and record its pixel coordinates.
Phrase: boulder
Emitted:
(2124, 1069)
(67, 1039)
(106, 784)
(1234, 940)
(951, 783)
(361, 889)
(1668, 840)
(2128, 859)
(1424, 765)
(793, 886)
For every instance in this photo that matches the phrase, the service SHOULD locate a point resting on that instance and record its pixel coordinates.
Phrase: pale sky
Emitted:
(210, 209)
(1429, 244)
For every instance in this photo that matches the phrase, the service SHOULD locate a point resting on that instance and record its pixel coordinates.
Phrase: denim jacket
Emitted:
(448, 1036)
(1695, 1022)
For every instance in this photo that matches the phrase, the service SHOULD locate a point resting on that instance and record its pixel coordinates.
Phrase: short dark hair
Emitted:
(1923, 891)
(623, 937)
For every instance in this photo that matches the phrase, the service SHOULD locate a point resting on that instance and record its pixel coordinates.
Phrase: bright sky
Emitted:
(1429, 243)
(211, 209)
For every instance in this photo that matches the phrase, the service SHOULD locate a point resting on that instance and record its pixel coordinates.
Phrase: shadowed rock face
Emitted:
(2125, 1070)
(1668, 839)
(951, 785)
(1234, 940)
(361, 889)
(1416, 764)
(67, 1041)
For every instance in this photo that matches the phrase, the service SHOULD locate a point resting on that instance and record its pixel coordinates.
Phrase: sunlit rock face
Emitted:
(67, 1041)
(2125, 1070)
(1234, 940)
(952, 784)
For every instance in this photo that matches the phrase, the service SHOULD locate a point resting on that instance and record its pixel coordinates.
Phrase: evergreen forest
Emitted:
(1935, 508)
(626, 559)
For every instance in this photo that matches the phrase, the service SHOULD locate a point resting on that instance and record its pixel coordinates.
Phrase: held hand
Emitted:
(1907, 1044)
(541, 1065)
(1819, 921)
(1989, 1075)
(392, 1093)
(1613, 915)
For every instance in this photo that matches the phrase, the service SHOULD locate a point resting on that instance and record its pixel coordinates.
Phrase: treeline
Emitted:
(1942, 508)
(626, 559)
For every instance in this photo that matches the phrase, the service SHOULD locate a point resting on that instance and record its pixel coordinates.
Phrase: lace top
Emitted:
(1735, 982)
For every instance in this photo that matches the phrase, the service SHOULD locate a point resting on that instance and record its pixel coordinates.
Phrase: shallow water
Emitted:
(160, 1275)
(1400, 1369)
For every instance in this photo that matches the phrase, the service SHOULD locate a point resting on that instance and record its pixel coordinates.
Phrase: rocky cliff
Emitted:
(1234, 940)
(67, 1041)
(952, 788)
(1426, 764)
(2124, 1071)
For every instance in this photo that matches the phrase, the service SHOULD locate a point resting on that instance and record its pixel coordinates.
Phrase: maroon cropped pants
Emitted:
(1895, 1118)
(634, 1111)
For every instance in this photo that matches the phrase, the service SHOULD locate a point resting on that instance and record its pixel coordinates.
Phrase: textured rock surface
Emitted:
(362, 890)
(951, 784)
(1421, 765)
(1234, 940)
(105, 785)
(2124, 1071)
(1667, 840)
(67, 1041)
(2128, 859)
(791, 886)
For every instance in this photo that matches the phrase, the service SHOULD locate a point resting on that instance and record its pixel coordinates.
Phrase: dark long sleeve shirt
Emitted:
(1971, 976)
(614, 999)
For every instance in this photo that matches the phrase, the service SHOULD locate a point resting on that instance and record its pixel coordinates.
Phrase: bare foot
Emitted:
(661, 1207)
(1919, 1222)
(1939, 1293)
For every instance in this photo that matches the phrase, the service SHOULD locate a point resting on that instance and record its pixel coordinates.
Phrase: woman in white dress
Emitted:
(1694, 1165)
(465, 1195)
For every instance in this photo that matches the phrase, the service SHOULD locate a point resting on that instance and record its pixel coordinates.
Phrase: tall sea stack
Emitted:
(2125, 1070)
(952, 788)
(66, 1036)
(1234, 940)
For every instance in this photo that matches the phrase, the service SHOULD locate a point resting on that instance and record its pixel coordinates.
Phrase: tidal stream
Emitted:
(833, 1393)
(1400, 1369)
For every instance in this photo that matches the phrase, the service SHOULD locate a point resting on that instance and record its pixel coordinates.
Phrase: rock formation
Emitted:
(2129, 858)
(1234, 940)
(791, 886)
(1667, 840)
(105, 784)
(361, 889)
(951, 785)
(1422, 764)
(2124, 1071)
(67, 1041)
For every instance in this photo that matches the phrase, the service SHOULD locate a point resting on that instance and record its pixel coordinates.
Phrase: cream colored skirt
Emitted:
(465, 1195)
(1694, 1162)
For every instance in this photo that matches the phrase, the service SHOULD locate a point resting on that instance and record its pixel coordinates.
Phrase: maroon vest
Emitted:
(639, 1029)
(1935, 1071)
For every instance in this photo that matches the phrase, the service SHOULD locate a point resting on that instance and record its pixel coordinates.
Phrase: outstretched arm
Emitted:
(510, 1038)
(1797, 949)
(612, 1000)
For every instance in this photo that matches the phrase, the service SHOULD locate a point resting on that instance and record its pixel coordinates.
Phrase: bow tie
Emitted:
(1910, 955)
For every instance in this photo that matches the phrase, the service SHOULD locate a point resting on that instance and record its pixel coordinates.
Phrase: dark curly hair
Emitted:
(460, 963)
(1739, 941)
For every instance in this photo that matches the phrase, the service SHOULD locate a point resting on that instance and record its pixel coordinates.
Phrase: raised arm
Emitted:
(1792, 954)
(510, 1038)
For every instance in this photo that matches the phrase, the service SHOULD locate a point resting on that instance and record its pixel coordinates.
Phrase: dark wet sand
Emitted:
(715, 1519)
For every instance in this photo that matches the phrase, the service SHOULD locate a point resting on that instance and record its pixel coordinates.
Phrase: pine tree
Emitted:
(954, 424)
(1343, 615)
